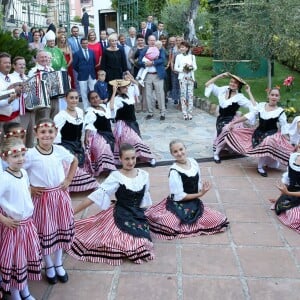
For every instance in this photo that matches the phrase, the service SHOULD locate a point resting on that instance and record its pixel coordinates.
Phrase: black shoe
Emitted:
(262, 173)
(62, 278)
(217, 161)
(51, 280)
(162, 118)
(148, 117)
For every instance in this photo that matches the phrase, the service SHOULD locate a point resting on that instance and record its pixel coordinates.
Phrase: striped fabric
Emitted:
(98, 239)
(291, 218)
(128, 135)
(99, 156)
(219, 141)
(83, 181)
(275, 146)
(165, 225)
(53, 216)
(20, 255)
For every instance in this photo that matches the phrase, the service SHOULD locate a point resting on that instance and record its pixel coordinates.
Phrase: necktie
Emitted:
(78, 44)
(143, 32)
(86, 54)
(103, 44)
(22, 77)
(7, 79)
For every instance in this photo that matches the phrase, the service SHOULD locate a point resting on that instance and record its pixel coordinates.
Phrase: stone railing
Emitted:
(206, 105)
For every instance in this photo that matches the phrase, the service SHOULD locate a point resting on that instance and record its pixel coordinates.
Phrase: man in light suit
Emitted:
(84, 63)
(131, 39)
(160, 31)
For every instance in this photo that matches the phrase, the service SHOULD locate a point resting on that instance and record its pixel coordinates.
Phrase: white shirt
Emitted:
(111, 184)
(182, 60)
(90, 116)
(15, 198)
(38, 67)
(175, 181)
(47, 170)
(61, 118)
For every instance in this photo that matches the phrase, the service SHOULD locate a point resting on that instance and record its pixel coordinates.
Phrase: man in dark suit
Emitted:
(84, 64)
(103, 39)
(150, 24)
(144, 31)
(51, 26)
(25, 34)
(85, 22)
(160, 31)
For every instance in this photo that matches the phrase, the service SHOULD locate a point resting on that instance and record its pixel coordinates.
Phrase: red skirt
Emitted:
(20, 255)
(275, 146)
(98, 239)
(99, 156)
(167, 226)
(53, 216)
(124, 134)
(291, 218)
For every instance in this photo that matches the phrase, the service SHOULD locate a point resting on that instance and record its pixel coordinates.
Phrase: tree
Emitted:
(247, 29)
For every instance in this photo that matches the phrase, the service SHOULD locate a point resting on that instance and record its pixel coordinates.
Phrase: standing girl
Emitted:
(185, 65)
(127, 129)
(183, 214)
(230, 100)
(70, 126)
(20, 253)
(121, 230)
(99, 139)
(53, 213)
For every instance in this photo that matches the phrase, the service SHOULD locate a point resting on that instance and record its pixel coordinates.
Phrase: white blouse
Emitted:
(90, 116)
(180, 61)
(47, 170)
(221, 92)
(118, 103)
(260, 108)
(15, 198)
(175, 181)
(63, 116)
(285, 176)
(110, 185)
(294, 131)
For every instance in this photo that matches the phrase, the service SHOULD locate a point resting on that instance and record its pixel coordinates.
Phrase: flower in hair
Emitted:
(14, 151)
(14, 132)
(46, 124)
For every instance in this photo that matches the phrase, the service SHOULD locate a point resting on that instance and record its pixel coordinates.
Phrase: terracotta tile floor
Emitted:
(257, 258)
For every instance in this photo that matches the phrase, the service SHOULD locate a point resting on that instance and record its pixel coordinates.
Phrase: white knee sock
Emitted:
(58, 262)
(25, 293)
(49, 263)
(261, 163)
(15, 294)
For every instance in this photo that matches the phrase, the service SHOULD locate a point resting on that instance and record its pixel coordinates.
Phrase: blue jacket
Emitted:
(159, 63)
(84, 67)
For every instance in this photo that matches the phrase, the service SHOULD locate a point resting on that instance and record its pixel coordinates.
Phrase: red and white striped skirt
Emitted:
(124, 134)
(167, 226)
(54, 219)
(291, 218)
(20, 255)
(99, 156)
(98, 239)
(275, 146)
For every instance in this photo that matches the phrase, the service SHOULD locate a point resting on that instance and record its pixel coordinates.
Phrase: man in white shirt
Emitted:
(131, 39)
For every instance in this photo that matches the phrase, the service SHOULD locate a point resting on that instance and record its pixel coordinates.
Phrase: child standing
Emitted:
(127, 129)
(101, 87)
(53, 213)
(121, 230)
(185, 65)
(99, 139)
(20, 253)
(152, 53)
(183, 214)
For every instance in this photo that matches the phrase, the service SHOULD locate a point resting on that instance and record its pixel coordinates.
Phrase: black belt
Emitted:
(152, 72)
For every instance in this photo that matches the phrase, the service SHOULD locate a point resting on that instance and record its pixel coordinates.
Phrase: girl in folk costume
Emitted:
(287, 206)
(121, 230)
(99, 139)
(53, 213)
(185, 65)
(230, 100)
(183, 214)
(70, 124)
(127, 129)
(267, 141)
(20, 253)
